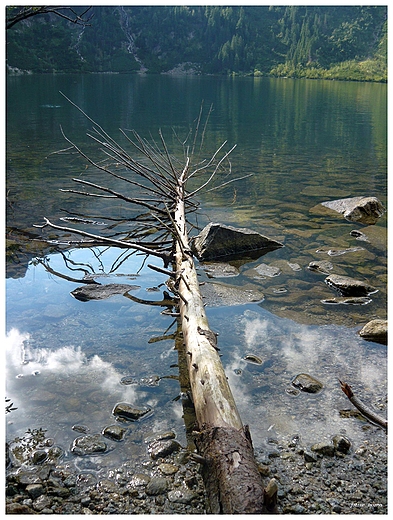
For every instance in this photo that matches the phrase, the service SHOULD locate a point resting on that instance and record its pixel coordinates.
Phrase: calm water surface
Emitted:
(305, 142)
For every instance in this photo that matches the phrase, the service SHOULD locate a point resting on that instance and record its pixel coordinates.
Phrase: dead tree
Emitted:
(162, 184)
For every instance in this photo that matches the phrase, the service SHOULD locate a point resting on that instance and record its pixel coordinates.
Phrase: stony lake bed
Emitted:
(159, 475)
(335, 462)
(309, 482)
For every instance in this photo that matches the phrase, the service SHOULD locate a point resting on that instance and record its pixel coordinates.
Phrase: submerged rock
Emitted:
(81, 428)
(322, 266)
(39, 456)
(160, 436)
(350, 286)
(163, 448)
(101, 292)
(218, 241)
(366, 210)
(220, 270)
(375, 330)
(218, 294)
(88, 445)
(251, 358)
(359, 235)
(377, 237)
(143, 381)
(129, 412)
(350, 300)
(268, 270)
(114, 432)
(307, 383)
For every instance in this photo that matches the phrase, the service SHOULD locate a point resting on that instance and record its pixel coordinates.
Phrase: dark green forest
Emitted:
(334, 42)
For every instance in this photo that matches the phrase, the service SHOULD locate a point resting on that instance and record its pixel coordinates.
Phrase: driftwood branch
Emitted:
(231, 475)
(363, 408)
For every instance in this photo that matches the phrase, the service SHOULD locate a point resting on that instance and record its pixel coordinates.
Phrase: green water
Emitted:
(304, 142)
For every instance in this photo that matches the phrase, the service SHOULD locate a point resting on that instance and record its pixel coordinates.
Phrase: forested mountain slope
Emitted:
(343, 42)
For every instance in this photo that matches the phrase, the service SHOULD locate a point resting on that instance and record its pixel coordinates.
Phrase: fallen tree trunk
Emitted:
(233, 482)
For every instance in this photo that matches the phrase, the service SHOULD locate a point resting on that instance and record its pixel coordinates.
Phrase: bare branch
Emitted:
(197, 129)
(65, 277)
(154, 177)
(229, 182)
(207, 164)
(213, 174)
(24, 13)
(168, 156)
(117, 243)
(204, 128)
(138, 202)
(87, 194)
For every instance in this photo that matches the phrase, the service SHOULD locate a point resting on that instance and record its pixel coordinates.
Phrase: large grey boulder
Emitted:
(220, 241)
(365, 210)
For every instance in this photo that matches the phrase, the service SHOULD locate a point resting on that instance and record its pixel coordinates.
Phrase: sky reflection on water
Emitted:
(65, 362)
(327, 353)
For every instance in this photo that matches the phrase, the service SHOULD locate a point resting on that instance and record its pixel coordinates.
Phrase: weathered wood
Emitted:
(233, 482)
(363, 409)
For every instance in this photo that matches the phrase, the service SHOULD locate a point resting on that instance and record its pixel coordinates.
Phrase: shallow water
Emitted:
(66, 360)
(304, 142)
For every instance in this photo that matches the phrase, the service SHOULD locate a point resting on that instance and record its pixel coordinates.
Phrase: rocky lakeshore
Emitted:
(330, 482)
(326, 478)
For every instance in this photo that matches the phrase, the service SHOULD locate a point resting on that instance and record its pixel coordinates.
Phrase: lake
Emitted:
(298, 143)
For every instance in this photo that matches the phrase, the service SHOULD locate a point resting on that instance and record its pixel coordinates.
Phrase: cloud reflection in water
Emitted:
(327, 353)
(55, 389)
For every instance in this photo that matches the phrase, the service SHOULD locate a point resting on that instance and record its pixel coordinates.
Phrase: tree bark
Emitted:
(233, 482)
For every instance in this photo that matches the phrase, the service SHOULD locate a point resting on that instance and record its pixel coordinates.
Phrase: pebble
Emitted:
(128, 412)
(162, 448)
(35, 490)
(354, 482)
(182, 495)
(168, 469)
(323, 448)
(114, 432)
(341, 444)
(157, 486)
(39, 456)
(307, 383)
